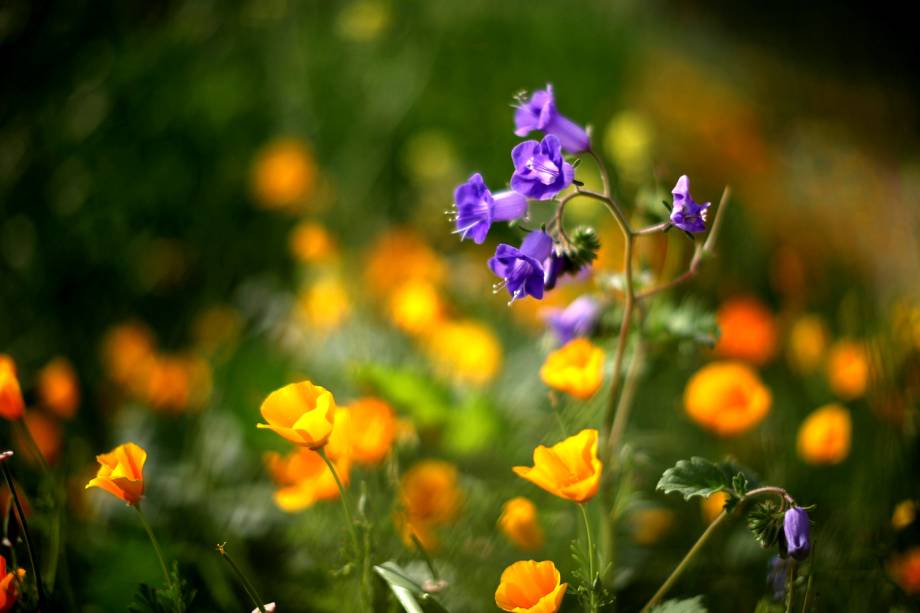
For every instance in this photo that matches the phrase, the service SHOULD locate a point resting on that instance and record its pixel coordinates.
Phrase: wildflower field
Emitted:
(428, 307)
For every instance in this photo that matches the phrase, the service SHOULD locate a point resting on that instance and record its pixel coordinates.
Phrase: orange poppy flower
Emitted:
(303, 478)
(519, 523)
(569, 469)
(430, 497)
(905, 570)
(371, 428)
(824, 436)
(576, 368)
(529, 586)
(283, 174)
(8, 591)
(848, 369)
(45, 432)
(727, 398)
(302, 413)
(121, 473)
(58, 388)
(748, 331)
(11, 405)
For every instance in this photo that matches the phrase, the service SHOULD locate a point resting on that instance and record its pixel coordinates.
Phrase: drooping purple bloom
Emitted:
(477, 208)
(796, 530)
(539, 113)
(687, 214)
(521, 269)
(540, 172)
(577, 319)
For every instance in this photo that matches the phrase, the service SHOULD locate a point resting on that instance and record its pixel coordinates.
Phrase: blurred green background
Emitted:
(156, 157)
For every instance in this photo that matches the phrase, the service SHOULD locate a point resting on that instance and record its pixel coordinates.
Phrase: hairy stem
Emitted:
(155, 543)
(248, 587)
(592, 598)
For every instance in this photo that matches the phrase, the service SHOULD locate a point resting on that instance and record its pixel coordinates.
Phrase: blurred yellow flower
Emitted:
(11, 404)
(302, 413)
(627, 141)
(824, 436)
(727, 398)
(519, 523)
(465, 351)
(324, 305)
(905, 570)
(311, 243)
(848, 369)
(576, 368)
(529, 586)
(121, 473)
(398, 256)
(713, 505)
(58, 388)
(807, 343)
(904, 514)
(9, 581)
(430, 497)
(747, 331)
(303, 478)
(363, 20)
(651, 524)
(283, 174)
(415, 306)
(569, 469)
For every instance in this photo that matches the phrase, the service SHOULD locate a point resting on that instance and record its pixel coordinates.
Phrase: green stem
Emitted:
(248, 587)
(675, 575)
(343, 496)
(156, 545)
(592, 603)
(23, 525)
(34, 448)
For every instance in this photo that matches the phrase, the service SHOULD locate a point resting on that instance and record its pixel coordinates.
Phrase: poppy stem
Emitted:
(6, 455)
(344, 498)
(592, 602)
(248, 587)
(156, 545)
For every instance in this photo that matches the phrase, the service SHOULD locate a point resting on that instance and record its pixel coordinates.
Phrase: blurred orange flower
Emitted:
(415, 306)
(371, 429)
(569, 469)
(311, 243)
(121, 473)
(529, 586)
(848, 369)
(518, 522)
(9, 592)
(576, 368)
(11, 405)
(824, 436)
(650, 524)
(713, 505)
(302, 413)
(748, 331)
(303, 478)
(398, 256)
(904, 514)
(905, 570)
(283, 174)
(727, 398)
(58, 388)
(430, 497)
(324, 304)
(465, 351)
(126, 349)
(45, 432)
(807, 343)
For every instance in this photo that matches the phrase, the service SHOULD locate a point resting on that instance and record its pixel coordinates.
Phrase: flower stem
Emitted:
(592, 602)
(675, 575)
(248, 587)
(155, 543)
(344, 498)
(23, 525)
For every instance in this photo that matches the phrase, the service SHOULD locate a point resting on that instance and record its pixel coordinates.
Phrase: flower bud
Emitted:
(796, 529)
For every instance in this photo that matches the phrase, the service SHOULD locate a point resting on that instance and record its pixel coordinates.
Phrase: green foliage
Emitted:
(411, 595)
(766, 522)
(701, 477)
(685, 322)
(175, 598)
(420, 396)
(685, 605)
(582, 249)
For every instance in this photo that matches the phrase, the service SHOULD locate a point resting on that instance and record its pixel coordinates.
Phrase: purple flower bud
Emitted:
(687, 214)
(477, 208)
(540, 172)
(521, 269)
(796, 530)
(539, 113)
(577, 319)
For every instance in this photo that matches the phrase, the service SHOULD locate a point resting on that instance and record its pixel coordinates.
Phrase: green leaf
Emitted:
(412, 392)
(686, 605)
(409, 593)
(695, 477)
(473, 427)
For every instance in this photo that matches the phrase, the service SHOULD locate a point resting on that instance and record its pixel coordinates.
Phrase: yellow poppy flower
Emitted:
(11, 405)
(569, 469)
(824, 436)
(303, 478)
(519, 523)
(302, 413)
(576, 368)
(727, 398)
(529, 586)
(121, 473)
(848, 369)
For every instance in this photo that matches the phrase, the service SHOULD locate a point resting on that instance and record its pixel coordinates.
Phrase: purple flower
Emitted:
(477, 208)
(539, 113)
(575, 320)
(687, 214)
(776, 576)
(796, 531)
(540, 172)
(521, 269)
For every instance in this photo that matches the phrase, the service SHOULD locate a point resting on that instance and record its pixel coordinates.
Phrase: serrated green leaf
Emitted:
(685, 605)
(695, 477)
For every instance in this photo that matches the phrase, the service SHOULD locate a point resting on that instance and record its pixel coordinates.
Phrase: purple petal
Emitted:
(523, 152)
(537, 245)
(508, 205)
